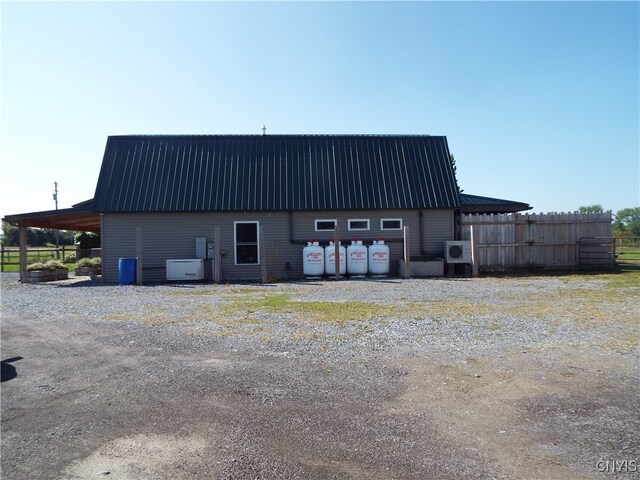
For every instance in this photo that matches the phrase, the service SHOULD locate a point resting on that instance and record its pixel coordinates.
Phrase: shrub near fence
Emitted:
(547, 240)
(10, 256)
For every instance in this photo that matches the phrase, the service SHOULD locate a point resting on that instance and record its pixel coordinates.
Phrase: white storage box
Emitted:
(185, 269)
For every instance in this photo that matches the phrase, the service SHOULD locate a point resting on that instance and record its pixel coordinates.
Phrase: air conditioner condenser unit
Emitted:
(458, 251)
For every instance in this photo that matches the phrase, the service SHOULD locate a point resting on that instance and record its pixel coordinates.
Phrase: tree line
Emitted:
(626, 222)
(36, 237)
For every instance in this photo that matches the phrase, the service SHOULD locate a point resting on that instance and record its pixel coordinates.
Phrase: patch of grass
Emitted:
(610, 281)
(193, 293)
(246, 291)
(335, 313)
(624, 280)
(623, 346)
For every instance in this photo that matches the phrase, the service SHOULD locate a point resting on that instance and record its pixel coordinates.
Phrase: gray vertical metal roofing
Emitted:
(177, 173)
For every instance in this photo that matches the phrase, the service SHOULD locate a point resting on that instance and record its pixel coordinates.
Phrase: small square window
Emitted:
(391, 224)
(359, 224)
(325, 225)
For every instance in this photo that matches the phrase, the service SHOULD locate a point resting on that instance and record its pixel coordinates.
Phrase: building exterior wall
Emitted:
(438, 228)
(172, 235)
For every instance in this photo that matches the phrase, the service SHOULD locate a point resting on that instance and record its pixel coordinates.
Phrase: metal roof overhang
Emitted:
(487, 205)
(79, 218)
(495, 208)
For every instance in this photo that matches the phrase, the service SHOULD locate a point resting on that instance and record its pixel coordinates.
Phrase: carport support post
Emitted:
(217, 267)
(138, 255)
(407, 253)
(336, 241)
(22, 239)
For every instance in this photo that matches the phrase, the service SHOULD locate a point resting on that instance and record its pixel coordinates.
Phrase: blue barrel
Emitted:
(127, 271)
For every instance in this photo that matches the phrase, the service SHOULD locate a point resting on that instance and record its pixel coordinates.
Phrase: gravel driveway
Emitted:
(505, 378)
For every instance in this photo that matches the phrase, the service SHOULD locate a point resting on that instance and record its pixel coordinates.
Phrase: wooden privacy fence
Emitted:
(549, 240)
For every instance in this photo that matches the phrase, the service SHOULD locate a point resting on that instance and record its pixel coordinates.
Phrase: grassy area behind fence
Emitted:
(627, 252)
(10, 256)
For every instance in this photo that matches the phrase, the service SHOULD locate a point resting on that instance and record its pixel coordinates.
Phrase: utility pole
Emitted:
(55, 199)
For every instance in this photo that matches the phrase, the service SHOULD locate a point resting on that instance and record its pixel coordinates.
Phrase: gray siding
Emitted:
(438, 228)
(172, 235)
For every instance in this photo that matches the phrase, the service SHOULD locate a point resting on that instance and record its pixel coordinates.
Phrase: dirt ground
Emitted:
(86, 399)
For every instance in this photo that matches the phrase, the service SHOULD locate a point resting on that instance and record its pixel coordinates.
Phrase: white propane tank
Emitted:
(313, 260)
(379, 259)
(330, 259)
(357, 259)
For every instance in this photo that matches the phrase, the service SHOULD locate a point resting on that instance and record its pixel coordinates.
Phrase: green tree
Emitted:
(627, 222)
(88, 240)
(455, 168)
(595, 208)
(10, 234)
(36, 237)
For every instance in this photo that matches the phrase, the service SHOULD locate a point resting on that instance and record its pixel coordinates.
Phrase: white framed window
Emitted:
(326, 225)
(390, 224)
(356, 224)
(246, 241)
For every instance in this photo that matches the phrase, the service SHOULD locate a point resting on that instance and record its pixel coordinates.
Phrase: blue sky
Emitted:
(539, 101)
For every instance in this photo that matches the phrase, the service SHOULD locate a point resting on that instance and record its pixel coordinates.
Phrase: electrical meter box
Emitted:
(211, 250)
(201, 243)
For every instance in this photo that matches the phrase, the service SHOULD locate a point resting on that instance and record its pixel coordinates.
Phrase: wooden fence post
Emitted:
(407, 253)
(263, 260)
(217, 267)
(336, 239)
(474, 251)
(138, 255)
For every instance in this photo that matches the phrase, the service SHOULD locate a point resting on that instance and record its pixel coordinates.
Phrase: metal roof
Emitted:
(478, 204)
(176, 173)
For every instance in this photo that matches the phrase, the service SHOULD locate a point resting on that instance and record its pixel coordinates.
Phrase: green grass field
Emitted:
(628, 253)
(11, 257)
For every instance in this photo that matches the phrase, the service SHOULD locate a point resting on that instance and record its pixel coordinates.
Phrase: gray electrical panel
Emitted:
(211, 250)
(201, 247)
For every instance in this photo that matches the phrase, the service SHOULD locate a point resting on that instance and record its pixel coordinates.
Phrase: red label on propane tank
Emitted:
(314, 257)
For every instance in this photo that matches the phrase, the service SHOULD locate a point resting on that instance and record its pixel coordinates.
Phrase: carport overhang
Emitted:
(79, 217)
(476, 204)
